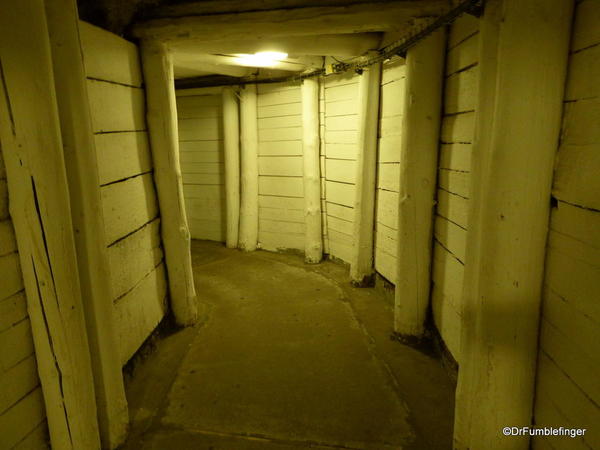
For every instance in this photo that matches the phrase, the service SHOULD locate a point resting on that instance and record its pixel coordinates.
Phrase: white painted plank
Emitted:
(464, 55)
(389, 148)
(280, 134)
(280, 165)
(388, 177)
(201, 146)
(16, 344)
(3, 200)
(207, 129)
(139, 312)
(280, 241)
(579, 223)
(281, 214)
(341, 108)
(266, 201)
(210, 230)
(458, 128)
(460, 93)
(13, 309)
(392, 99)
(287, 148)
(341, 92)
(343, 170)
(285, 109)
(341, 137)
(585, 27)
(451, 236)
(281, 227)
(577, 175)
(340, 225)
(340, 193)
(109, 57)
(342, 123)
(279, 97)
(191, 158)
(387, 208)
(455, 157)
(280, 122)
(452, 207)
(447, 321)
(17, 382)
(8, 242)
(199, 107)
(122, 155)
(12, 280)
(21, 419)
(128, 205)
(454, 182)
(132, 258)
(284, 186)
(203, 168)
(203, 178)
(115, 107)
(340, 211)
(386, 265)
(393, 70)
(584, 71)
(463, 27)
(341, 151)
(448, 275)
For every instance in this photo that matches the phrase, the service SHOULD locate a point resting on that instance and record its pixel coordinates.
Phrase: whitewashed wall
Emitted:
(129, 200)
(450, 226)
(388, 168)
(341, 134)
(280, 184)
(22, 414)
(200, 115)
(568, 391)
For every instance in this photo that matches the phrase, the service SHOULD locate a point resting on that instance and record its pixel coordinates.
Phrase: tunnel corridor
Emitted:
(287, 355)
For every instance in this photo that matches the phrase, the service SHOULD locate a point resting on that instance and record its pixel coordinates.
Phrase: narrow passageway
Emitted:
(287, 356)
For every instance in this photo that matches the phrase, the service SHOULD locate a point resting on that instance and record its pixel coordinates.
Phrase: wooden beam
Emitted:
(248, 237)
(40, 209)
(186, 67)
(197, 59)
(164, 141)
(231, 141)
(238, 6)
(340, 45)
(418, 175)
(88, 221)
(313, 240)
(361, 267)
(522, 69)
(359, 18)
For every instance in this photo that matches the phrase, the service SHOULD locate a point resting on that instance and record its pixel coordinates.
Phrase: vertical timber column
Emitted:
(249, 138)
(231, 138)
(522, 69)
(313, 240)
(164, 141)
(88, 221)
(361, 267)
(41, 213)
(418, 176)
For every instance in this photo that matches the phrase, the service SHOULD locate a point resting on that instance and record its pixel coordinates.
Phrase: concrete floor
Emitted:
(286, 356)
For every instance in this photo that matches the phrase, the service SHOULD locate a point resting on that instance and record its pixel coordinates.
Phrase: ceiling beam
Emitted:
(210, 7)
(187, 66)
(359, 18)
(344, 45)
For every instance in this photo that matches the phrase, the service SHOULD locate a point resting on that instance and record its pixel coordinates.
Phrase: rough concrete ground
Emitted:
(287, 356)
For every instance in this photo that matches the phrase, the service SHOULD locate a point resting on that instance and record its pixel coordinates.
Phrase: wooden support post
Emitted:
(522, 69)
(249, 188)
(164, 141)
(40, 210)
(88, 221)
(361, 267)
(313, 240)
(418, 175)
(231, 138)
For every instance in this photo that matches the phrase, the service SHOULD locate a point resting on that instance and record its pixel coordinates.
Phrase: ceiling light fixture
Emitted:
(260, 59)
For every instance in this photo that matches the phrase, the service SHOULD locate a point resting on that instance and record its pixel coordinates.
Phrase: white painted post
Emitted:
(522, 69)
(40, 209)
(231, 141)
(164, 141)
(88, 221)
(249, 176)
(313, 240)
(361, 267)
(418, 175)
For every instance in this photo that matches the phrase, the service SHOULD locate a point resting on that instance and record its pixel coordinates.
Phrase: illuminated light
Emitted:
(261, 59)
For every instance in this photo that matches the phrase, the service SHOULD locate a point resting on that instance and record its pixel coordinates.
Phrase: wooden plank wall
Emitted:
(280, 169)
(130, 205)
(568, 392)
(341, 134)
(200, 123)
(22, 413)
(388, 168)
(450, 223)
